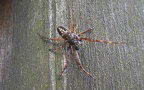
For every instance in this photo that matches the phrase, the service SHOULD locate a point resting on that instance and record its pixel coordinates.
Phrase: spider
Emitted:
(72, 41)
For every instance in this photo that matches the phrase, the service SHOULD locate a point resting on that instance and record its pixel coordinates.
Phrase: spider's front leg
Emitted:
(66, 63)
(102, 41)
(86, 31)
(80, 65)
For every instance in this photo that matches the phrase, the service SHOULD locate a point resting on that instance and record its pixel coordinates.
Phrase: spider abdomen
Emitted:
(65, 34)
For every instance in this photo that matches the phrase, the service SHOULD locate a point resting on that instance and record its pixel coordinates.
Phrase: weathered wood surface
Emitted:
(26, 63)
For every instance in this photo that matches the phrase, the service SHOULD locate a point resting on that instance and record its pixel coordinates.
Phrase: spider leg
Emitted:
(66, 63)
(72, 28)
(103, 41)
(80, 65)
(59, 47)
(55, 39)
(47, 39)
(71, 25)
(75, 28)
(86, 31)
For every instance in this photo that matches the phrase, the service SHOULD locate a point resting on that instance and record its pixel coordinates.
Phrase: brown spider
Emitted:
(73, 41)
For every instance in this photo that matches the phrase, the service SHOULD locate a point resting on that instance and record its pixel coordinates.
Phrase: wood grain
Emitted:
(33, 67)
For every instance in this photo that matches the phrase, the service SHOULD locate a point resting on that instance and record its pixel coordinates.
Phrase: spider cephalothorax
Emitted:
(74, 41)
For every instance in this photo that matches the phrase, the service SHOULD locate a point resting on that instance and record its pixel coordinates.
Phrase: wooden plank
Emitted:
(5, 44)
(116, 67)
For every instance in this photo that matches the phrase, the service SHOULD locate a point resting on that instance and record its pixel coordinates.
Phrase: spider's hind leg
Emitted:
(54, 49)
(52, 39)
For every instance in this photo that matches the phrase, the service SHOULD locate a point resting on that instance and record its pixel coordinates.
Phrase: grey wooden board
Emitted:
(26, 63)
